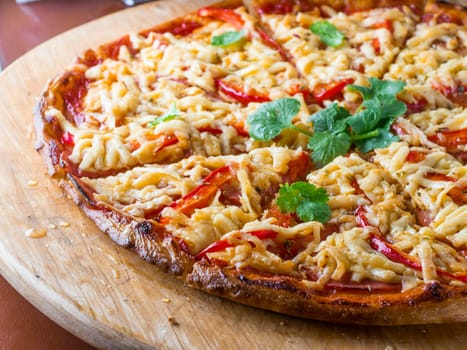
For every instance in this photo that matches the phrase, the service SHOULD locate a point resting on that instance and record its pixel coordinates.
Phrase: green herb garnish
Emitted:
(172, 113)
(335, 129)
(305, 199)
(271, 118)
(228, 38)
(369, 128)
(328, 33)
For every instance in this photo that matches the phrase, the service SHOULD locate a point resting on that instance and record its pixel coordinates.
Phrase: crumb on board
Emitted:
(32, 183)
(35, 232)
(64, 224)
(165, 300)
(173, 321)
(52, 226)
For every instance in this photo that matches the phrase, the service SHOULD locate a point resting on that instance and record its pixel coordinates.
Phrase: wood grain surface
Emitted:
(105, 294)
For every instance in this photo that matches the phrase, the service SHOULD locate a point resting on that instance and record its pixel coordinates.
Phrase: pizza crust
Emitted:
(429, 303)
(147, 238)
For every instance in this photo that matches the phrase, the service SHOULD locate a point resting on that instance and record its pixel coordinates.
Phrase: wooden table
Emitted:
(105, 294)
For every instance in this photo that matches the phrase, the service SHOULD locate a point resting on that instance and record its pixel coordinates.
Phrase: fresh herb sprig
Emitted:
(335, 128)
(305, 199)
(328, 33)
(172, 113)
(271, 118)
(229, 39)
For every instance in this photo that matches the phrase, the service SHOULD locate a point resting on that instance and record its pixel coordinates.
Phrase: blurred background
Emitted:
(24, 23)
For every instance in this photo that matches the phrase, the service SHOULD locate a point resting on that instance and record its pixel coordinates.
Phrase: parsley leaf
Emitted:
(364, 121)
(332, 118)
(378, 88)
(308, 201)
(326, 146)
(328, 33)
(228, 38)
(383, 139)
(172, 113)
(271, 118)
(389, 106)
(370, 127)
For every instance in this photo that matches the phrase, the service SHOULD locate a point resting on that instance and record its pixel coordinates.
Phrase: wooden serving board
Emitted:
(105, 294)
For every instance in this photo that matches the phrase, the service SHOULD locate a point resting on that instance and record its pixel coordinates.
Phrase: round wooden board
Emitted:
(105, 294)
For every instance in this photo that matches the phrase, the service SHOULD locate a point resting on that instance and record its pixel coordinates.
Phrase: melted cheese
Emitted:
(357, 58)
(433, 60)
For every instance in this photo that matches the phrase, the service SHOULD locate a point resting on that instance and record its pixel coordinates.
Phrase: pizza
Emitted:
(302, 156)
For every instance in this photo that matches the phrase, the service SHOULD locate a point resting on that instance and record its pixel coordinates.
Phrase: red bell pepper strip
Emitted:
(211, 130)
(376, 45)
(203, 194)
(393, 254)
(458, 194)
(67, 138)
(212, 248)
(225, 15)
(323, 92)
(387, 24)
(415, 156)
(264, 234)
(223, 244)
(269, 41)
(239, 126)
(361, 218)
(439, 177)
(450, 138)
(416, 106)
(280, 7)
(236, 92)
(168, 140)
(457, 93)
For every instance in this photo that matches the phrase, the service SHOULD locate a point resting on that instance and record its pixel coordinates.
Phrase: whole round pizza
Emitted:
(305, 157)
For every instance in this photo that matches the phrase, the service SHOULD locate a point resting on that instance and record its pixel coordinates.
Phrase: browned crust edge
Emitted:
(430, 303)
(147, 238)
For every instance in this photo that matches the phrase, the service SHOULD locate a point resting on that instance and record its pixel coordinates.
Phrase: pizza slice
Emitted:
(336, 44)
(190, 203)
(434, 61)
(369, 260)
